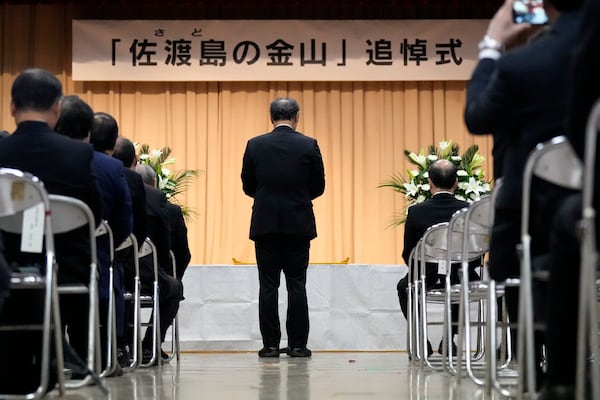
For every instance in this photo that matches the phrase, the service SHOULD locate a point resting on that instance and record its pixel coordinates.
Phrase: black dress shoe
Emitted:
(147, 356)
(299, 352)
(557, 392)
(429, 348)
(123, 357)
(269, 352)
(441, 348)
(163, 355)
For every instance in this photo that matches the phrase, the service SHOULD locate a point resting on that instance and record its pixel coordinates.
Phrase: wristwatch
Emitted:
(489, 43)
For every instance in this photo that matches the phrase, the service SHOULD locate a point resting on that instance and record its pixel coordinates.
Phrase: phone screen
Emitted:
(529, 11)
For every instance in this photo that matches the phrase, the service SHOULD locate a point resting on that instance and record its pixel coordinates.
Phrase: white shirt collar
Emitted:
(288, 125)
(443, 191)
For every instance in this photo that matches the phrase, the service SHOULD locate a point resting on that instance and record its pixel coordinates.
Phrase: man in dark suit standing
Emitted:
(283, 172)
(65, 167)
(439, 208)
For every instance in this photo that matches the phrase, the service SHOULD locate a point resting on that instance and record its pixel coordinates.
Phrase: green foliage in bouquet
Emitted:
(415, 186)
(171, 183)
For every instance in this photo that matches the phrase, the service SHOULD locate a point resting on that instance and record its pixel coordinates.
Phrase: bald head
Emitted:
(442, 175)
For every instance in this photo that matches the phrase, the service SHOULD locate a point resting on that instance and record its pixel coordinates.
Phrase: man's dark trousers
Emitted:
(287, 253)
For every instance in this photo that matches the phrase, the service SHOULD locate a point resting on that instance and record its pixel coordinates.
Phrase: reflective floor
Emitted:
(327, 375)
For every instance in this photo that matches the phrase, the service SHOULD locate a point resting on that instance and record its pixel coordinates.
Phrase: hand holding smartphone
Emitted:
(529, 11)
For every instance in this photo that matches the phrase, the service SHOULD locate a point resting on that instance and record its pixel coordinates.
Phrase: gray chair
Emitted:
(111, 322)
(175, 326)
(133, 296)
(152, 301)
(553, 161)
(587, 343)
(68, 214)
(22, 193)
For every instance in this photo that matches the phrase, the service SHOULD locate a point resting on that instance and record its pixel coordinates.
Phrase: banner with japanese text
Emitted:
(275, 50)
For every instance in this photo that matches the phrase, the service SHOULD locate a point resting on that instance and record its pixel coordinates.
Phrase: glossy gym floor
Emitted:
(327, 375)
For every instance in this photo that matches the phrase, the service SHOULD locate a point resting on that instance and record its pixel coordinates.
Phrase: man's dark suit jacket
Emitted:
(283, 171)
(179, 239)
(65, 167)
(421, 216)
(138, 204)
(116, 210)
(4, 275)
(522, 98)
(158, 226)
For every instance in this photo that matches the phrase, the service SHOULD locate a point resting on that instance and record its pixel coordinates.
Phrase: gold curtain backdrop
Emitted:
(362, 129)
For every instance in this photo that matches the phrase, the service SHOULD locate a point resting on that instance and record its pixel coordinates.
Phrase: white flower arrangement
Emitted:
(171, 183)
(471, 180)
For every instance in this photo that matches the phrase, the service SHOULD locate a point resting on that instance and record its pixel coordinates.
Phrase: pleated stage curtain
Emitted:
(362, 129)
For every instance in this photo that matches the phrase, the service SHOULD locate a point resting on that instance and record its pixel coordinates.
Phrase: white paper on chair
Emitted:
(32, 236)
(442, 269)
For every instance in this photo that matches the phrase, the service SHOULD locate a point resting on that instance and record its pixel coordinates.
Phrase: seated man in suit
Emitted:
(179, 239)
(78, 121)
(439, 208)
(170, 289)
(65, 167)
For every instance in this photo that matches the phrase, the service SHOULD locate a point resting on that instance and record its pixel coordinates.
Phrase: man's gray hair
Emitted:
(147, 173)
(284, 109)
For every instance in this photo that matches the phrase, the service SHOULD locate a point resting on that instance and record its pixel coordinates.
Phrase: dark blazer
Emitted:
(138, 204)
(179, 239)
(4, 275)
(158, 225)
(65, 167)
(585, 89)
(283, 171)
(116, 210)
(421, 216)
(521, 99)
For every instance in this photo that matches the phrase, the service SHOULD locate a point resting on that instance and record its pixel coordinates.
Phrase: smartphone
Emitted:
(529, 11)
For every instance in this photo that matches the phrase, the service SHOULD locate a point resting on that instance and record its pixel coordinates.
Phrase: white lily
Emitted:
(462, 172)
(411, 189)
(418, 158)
(154, 155)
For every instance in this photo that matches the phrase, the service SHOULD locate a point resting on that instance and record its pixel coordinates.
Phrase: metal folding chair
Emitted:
(587, 343)
(68, 214)
(134, 297)
(476, 230)
(111, 322)
(152, 301)
(24, 193)
(175, 326)
(553, 161)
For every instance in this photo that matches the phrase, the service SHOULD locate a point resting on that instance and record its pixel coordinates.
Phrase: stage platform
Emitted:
(352, 307)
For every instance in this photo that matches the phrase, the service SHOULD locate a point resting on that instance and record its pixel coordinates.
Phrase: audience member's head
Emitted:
(35, 96)
(75, 119)
(284, 109)
(442, 175)
(125, 151)
(147, 173)
(104, 133)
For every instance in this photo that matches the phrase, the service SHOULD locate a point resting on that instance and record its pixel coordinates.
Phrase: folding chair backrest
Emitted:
(553, 161)
(20, 191)
(434, 243)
